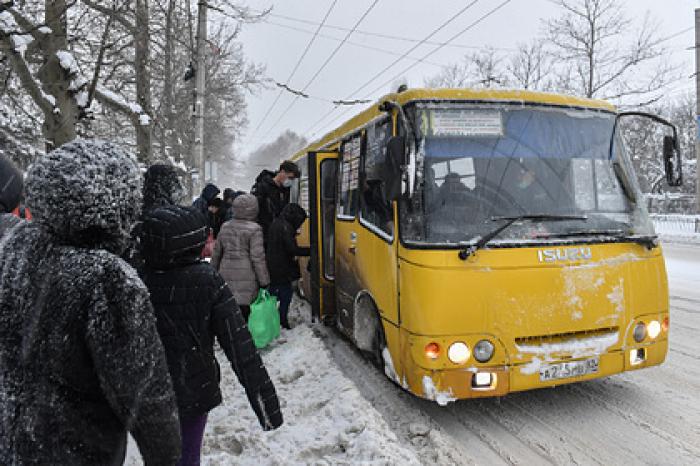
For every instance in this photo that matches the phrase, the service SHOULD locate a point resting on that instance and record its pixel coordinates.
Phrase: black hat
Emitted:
(172, 235)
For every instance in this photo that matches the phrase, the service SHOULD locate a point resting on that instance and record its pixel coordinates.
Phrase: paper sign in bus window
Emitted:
(467, 123)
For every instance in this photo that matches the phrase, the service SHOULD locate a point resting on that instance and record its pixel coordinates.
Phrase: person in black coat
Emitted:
(203, 202)
(81, 362)
(281, 255)
(194, 306)
(272, 191)
(11, 186)
(161, 186)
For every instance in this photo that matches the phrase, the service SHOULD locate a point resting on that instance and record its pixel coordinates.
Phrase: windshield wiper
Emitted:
(649, 241)
(484, 239)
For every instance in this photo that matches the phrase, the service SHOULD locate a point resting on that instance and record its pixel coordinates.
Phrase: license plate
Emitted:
(566, 370)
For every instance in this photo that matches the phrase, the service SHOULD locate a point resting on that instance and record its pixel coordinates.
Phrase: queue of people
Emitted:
(108, 315)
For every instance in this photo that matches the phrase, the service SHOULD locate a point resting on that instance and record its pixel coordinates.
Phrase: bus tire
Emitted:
(368, 331)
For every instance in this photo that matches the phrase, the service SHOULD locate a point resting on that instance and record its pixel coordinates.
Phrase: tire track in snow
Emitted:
(628, 415)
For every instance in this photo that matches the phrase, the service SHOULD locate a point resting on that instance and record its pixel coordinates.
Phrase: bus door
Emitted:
(323, 169)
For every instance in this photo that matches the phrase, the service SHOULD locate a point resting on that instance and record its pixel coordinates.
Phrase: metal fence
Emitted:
(674, 224)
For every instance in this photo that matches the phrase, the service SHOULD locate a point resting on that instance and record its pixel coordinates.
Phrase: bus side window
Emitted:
(374, 207)
(349, 180)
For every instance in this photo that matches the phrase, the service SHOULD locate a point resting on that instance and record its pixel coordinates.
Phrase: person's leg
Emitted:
(192, 431)
(284, 298)
(245, 310)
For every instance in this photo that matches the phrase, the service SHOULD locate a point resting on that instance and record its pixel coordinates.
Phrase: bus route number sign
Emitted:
(455, 122)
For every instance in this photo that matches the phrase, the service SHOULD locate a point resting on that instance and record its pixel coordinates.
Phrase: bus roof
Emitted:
(483, 95)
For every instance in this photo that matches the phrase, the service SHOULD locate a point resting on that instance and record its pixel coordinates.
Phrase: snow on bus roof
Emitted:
(494, 95)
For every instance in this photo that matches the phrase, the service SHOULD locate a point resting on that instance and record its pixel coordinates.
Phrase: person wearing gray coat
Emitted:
(239, 255)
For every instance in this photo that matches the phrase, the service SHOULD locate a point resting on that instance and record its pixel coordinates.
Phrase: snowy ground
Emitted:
(340, 410)
(327, 419)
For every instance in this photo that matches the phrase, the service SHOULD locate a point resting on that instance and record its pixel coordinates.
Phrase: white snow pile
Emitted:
(578, 348)
(326, 419)
(431, 392)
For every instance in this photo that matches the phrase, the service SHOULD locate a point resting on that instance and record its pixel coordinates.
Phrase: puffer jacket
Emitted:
(239, 255)
(193, 307)
(282, 248)
(81, 362)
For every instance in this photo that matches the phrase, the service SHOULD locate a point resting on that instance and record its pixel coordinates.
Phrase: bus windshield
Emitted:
(478, 164)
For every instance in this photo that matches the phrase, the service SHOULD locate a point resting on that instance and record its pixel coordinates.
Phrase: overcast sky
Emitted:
(280, 45)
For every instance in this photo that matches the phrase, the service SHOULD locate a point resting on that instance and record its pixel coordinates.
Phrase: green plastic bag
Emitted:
(264, 320)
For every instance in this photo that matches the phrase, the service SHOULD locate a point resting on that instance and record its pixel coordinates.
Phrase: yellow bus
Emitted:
(478, 242)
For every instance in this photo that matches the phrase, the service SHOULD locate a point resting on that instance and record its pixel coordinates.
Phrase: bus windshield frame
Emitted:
(477, 162)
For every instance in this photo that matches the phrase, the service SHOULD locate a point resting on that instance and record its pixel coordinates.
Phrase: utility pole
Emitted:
(697, 109)
(200, 88)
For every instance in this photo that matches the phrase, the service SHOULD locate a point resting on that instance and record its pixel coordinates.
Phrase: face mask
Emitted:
(287, 183)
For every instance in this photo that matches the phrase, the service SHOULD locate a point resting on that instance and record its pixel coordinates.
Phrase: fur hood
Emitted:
(87, 194)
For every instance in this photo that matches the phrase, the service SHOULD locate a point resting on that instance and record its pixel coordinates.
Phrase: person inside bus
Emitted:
(272, 191)
(529, 193)
(281, 255)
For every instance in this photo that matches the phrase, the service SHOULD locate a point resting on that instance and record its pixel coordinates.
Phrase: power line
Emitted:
(405, 54)
(440, 47)
(338, 39)
(377, 34)
(460, 33)
(325, 63)
(296, 67)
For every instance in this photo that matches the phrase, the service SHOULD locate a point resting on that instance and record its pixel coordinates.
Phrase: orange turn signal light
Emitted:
(432, 350)
(665, 324)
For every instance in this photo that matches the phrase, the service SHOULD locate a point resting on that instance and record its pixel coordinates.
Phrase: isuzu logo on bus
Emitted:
(564, 254)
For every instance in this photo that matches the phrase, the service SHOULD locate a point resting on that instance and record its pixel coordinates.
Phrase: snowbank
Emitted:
(327, 420)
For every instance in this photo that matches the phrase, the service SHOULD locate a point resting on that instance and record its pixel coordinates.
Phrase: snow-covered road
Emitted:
(339, 409)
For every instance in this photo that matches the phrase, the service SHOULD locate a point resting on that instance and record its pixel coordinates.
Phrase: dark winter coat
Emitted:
(193, 306)
(271, 199)
(239, 255)
(8, 221)
(282, 248)
(81, 362)
(11, 185)
(209, 192)
(161, 186)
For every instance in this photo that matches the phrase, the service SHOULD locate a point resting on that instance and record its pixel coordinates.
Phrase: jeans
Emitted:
(284, 294)
(192, 431)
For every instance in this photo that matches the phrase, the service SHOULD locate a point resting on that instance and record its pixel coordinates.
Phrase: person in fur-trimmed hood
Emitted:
(81, 362)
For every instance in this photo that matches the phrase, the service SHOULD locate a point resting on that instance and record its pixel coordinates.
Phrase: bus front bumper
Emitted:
(451, 384)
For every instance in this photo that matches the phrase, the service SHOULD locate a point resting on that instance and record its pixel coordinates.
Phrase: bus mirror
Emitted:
(672, 161)
(395, 160)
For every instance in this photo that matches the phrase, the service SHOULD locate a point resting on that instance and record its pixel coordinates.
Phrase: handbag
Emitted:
(264, 320)
(209, 245)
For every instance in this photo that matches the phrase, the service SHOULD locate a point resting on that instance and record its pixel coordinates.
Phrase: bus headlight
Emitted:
(458, 352)
(653, 329)
(483, 351)
(640, 331)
